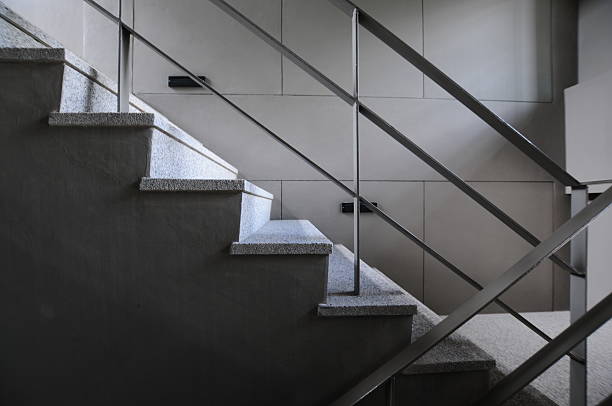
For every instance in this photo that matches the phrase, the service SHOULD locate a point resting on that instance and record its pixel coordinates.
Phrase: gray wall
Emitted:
(516, 56)
(589, 129)
(63, 20)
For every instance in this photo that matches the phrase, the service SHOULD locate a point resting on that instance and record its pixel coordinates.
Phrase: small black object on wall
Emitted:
(349, 208)
(183, 81)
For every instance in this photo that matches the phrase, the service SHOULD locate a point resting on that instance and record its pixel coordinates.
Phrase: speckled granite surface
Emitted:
(167, 135)
(379, 296)
(455, 353)
(13, 37)
(511, 343)
(27, 28)
(101, 119)
(202, 185)
(284, 237)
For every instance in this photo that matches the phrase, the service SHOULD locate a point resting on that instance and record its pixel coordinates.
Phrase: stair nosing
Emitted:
(311, 242)
(203, 185)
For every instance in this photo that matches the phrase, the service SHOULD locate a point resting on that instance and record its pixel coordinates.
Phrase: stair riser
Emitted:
(171, 158)
(254, 213)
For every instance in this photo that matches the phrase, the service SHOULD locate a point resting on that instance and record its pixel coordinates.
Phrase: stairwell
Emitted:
(137, 267)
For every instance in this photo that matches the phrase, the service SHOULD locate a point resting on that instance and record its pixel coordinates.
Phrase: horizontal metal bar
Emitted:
(431, 71)
(477, 302)
(549, 354)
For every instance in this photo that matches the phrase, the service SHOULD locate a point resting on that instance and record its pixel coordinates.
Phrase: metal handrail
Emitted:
(477, 302)
(549, 354)
(545, 249)
(462, 95)
(402, 139)
(389, 129)
(380, 213)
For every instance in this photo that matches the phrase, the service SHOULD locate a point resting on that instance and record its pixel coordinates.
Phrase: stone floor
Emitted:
(511, 343)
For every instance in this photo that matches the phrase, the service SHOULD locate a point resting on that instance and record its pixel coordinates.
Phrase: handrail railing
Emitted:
(388, 128)
(402, 139)
(477, 302)
(462, 95)
(471, 307)
(349, 99)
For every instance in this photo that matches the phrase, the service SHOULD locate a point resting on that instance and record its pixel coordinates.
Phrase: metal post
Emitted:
(391, 384)
(124, 74)
(578, 300)
(357, 198)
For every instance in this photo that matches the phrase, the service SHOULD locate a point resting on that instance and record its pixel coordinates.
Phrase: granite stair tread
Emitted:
(456, 353)
(379, 296)
(202, 185)
(284, 237)
(150, 119)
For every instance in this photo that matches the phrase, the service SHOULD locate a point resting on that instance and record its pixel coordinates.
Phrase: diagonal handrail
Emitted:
(399, 137)
(462, 95)
(477, 302)
(549, 354)
(389, 129)
(388, 219)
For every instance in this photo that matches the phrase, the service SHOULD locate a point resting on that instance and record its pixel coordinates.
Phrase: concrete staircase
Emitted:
(138, 267)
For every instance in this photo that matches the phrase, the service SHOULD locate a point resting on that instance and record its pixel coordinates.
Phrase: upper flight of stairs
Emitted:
(179, 284)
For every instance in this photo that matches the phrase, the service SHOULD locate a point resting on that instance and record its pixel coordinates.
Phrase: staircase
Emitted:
(137, 267)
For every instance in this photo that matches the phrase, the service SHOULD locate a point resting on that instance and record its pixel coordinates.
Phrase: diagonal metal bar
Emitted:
(459, 183)
(390, 130)
(318, 168)
(606, 402)
(549, 354)
(477, 302)
(461, 274)
(431, 71)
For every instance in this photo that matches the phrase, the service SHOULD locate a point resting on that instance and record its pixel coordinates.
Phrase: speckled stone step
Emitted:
(174, 153)
(284, 237)
(455, 354)
(255, 204)
(203, 185)
(379, 296)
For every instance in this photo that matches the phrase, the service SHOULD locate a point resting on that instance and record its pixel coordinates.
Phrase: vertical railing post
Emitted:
(356, 180)
(578, 299)
(124, 74)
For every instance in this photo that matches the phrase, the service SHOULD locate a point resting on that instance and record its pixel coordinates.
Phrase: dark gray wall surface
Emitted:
(113, 296)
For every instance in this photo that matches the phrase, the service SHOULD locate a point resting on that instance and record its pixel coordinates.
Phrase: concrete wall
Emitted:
(516, 56)
(109, 295)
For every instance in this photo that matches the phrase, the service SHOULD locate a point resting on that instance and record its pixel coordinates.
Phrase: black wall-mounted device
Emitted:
(183, 81)
(350, 208)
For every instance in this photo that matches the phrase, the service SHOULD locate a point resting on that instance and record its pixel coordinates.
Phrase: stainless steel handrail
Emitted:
(384, 216)
(431, 71)
(477, 302)
(549, 354)
(389, 129)
(398, 136)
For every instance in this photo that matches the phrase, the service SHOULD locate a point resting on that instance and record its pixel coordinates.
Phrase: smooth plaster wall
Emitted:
(515, 56)
(63, 20)
(589, 131)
